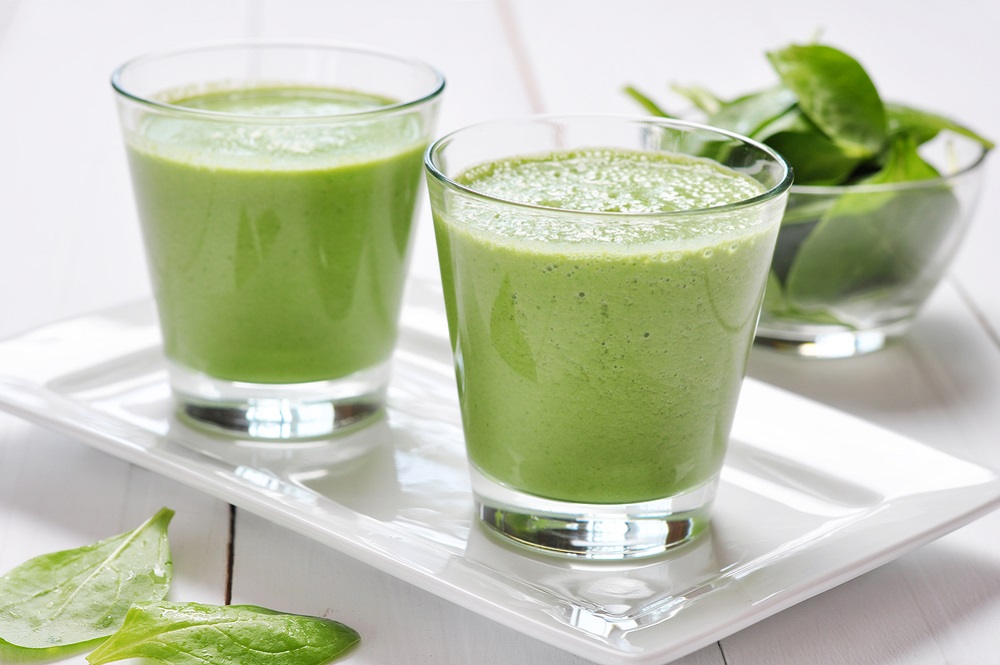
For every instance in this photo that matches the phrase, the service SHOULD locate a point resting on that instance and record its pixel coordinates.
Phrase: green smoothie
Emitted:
(277, 249)
(599, 360)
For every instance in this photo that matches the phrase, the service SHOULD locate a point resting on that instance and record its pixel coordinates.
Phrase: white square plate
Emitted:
(810, 497)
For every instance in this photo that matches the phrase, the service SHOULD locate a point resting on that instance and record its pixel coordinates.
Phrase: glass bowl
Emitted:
(854, 264)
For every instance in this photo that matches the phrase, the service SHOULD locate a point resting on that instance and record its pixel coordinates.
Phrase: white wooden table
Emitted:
(69, 244)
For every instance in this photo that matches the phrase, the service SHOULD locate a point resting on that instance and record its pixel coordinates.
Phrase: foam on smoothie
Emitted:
(629, 186)
(321, 132)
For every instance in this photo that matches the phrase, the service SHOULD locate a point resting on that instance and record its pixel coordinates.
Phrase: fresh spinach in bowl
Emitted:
(826, 117)
(845, 252)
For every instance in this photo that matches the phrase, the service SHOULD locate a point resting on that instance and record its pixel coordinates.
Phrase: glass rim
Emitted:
(435, 89)
(903, 185)
(771, 193)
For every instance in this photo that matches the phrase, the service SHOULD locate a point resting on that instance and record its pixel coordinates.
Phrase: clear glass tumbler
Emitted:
(276, 187)
(603, 278)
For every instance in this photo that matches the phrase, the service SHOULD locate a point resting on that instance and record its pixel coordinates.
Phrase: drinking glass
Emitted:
(276, 186)
(600, 348)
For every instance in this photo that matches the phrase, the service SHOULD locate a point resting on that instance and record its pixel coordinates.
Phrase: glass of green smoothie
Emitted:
(276, 187)
(603, 277)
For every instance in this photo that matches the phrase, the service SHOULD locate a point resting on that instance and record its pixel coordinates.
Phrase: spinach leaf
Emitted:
(870, 241)
(78, 595)
(903, 164)
(777, 304)
(651, 107)
(825, 116)
(787, 245)
(748, 114)
(802, 209)
(837, 95)
(815, 158)
(198, 634)
(15, 654)
(924, 126)
(703, 100)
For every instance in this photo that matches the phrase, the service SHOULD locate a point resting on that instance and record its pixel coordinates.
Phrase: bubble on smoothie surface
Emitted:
(633, 183)
(613, 181)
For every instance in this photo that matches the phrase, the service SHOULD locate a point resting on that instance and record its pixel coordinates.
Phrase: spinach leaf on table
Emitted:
(198, 634)
(68, 601)
(74, 596)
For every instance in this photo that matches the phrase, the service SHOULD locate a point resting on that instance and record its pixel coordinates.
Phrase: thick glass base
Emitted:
(812, 341)
(593, 531)
(278, 412)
